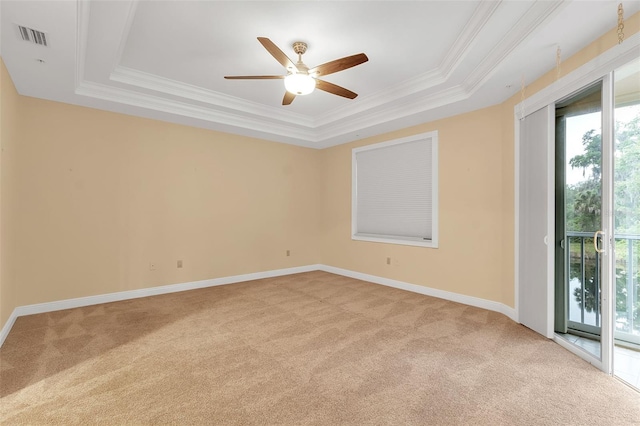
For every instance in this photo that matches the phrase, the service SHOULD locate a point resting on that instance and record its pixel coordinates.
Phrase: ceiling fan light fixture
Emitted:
(299, 83)
(300, 80)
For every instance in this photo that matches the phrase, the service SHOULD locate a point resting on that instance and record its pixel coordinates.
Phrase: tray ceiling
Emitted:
(166, 59)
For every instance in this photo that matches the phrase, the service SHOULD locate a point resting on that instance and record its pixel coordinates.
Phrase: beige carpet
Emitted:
(311, 348)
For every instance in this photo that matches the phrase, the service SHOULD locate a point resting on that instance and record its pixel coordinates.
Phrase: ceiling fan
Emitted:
(300, 79)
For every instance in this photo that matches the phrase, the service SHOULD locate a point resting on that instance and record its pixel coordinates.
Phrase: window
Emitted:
(395, 191)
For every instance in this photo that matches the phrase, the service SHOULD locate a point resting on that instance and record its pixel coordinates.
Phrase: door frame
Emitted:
(607, 264)
(601, 67)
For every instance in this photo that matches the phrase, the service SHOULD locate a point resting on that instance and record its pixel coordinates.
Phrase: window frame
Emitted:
(379, 238)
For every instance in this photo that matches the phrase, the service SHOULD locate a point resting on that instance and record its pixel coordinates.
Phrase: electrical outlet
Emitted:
(288, 252)
(152, 266)
(388, 261)
(179, 263)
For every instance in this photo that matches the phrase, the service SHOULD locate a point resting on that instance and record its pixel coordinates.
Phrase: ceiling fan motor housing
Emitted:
(300, 47)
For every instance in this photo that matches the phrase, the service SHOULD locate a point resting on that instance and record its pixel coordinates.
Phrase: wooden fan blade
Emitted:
(335, 89)
(277, 53)
(288, 98)
(254, 77)
(339, 65)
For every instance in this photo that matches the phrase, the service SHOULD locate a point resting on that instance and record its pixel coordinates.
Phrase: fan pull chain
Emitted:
(558, 62)
(620, 24)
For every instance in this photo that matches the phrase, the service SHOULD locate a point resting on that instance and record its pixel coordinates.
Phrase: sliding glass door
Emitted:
(578, 279)
(626, 224)
(597, 221)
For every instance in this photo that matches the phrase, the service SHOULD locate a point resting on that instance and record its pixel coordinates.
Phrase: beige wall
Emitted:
(9, 116)
(468, 260)
(99, 196)
(90, 198)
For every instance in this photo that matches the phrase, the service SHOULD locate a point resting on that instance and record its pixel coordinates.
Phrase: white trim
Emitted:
(593, 70)
(416, 242)
(143, 292)
(607, 295)
(516, 219)
(154, 291)
(82, 29)
(124, 37)
(398, 110)
(551, 208)
(165, 85)
(578, 351)
(534, 17)
(220, 117)
(468, 37)
(426, 291)
(8, 325)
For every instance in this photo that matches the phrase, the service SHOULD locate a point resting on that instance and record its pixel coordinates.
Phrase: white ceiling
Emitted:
(166, 59)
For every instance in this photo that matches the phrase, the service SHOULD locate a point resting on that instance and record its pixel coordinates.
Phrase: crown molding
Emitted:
(535, 16)
(466, 39)
(392, 113)
(187, 91)
(82, 32)
(310, 136)
(156, 103)
(311, 133)
(124, 37)
(215, 99)
(381, 98)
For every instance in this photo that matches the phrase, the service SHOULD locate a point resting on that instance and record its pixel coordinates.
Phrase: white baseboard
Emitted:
(143, 292)
(7, 326)
(154, 291)
(427, 291)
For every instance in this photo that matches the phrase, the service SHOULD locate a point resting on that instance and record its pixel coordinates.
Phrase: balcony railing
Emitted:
(584, 284)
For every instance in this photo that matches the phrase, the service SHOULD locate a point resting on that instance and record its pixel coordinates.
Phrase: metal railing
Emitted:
(584, 264)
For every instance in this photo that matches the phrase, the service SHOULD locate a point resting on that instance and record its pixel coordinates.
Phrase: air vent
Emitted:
(33, 36)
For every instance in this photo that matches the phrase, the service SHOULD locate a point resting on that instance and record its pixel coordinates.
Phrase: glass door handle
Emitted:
(595, 241)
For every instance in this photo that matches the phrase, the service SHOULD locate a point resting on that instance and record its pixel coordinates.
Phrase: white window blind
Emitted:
(395, 191)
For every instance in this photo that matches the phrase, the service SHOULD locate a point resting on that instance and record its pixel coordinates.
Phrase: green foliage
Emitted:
(584, 209)
(591, 160)
(627, 177)
(585, 197)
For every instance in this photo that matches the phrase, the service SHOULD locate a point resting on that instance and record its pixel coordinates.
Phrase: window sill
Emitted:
(407, 241)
